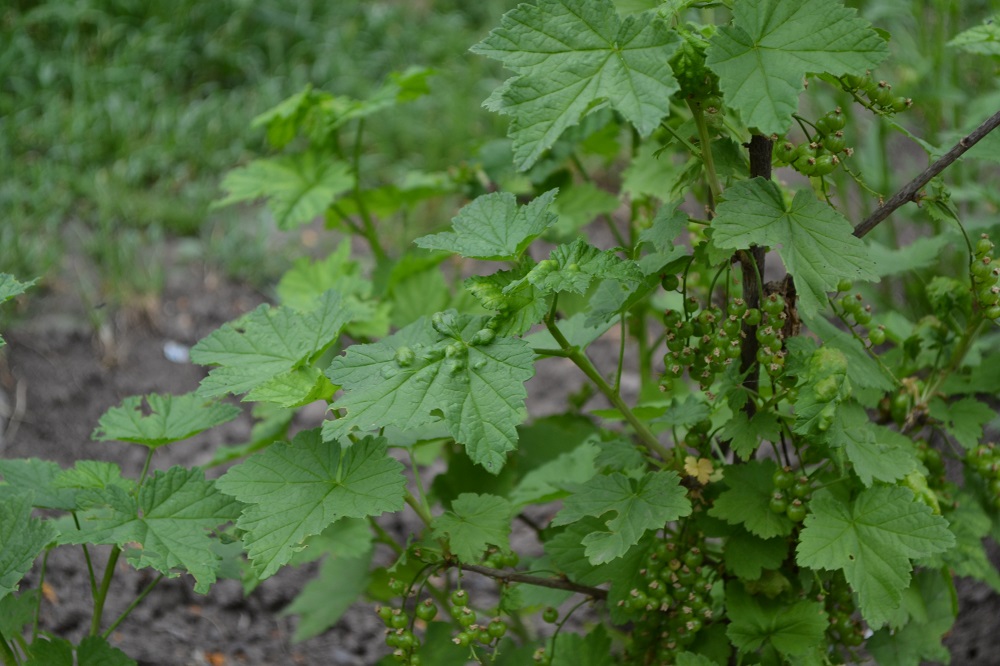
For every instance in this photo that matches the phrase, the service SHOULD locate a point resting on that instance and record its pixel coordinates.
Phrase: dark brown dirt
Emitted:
(59, 376)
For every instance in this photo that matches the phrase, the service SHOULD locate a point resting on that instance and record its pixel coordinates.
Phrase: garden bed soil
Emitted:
(59, 377)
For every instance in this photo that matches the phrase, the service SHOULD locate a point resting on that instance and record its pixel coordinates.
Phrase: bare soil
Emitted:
(59, 376)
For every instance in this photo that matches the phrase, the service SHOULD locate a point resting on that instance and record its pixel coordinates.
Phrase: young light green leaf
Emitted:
(473, 523)
(638, 505)
(324, 599)
(792, 629)
(963, 419)
(823, 387)
(878, 454)
(22, 538)
(297, 489)
(763, 57)
(266, 343)
(420, 375)
(873, 540)
(170, 519)
(746, 500)
(299, 187)
(570, 56)
(574, 266)
(494, 227)
(816, 243)
(154, 420)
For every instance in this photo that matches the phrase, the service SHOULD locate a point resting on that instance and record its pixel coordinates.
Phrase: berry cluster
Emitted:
(790, 494)
(853, 311)
(985, 459)
(399, 633)
(702, 341)
(818, 157)
(771, 354)
(986, 278)
(399, 626)
(879, 93)
(473, 632)
(674, 606)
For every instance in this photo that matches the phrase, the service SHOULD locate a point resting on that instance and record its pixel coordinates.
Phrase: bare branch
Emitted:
(515, 577)
(910, 190)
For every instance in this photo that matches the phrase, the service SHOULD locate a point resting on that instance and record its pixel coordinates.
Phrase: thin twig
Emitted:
(515, 577)
(910, 190)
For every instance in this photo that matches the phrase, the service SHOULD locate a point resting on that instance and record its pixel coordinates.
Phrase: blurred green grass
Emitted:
(118, 118)
(121, 116)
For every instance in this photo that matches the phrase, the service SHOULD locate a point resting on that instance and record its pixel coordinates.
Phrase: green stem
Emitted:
(369, 232)
(971, 333)
(420, 484)
(91, 576)
(102, 592)
(422, 513)
(384, 537)
(585, 365)
(145, 466)
(131, 606)
(706, 152)
(38, 607)
(7, 654)
(687, 144)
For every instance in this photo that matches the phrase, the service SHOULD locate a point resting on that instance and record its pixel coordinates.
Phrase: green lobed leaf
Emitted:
(862, 370)
(932, 611)
(170, 520)
(17, 611)
(755, 622)
(872, 539)
(745, 434)
(344, 538)
(154, 420)
(593, 649)
(814, 241)
(963, 419)
(637, 504)
(38, 478)
(519, 309)
(748, 556)
(473, 523)
(571, 56)
(478, 391)
(22, 538)
(295, 490)
(96, 651)
(323, 600)
(567, 551)
(494, 227)
(982, 39)
(299, 187)
(92, 475)
(971, 525)
(823, 386)
(762, 59)
(574, 266)
(877, 453)
(266, 343)
(747, 497)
